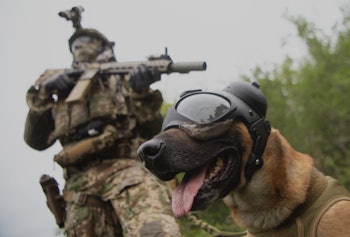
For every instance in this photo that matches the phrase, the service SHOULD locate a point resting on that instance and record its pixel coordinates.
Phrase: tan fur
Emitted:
(278, 188)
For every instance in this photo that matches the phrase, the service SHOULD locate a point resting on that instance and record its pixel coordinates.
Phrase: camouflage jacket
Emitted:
(109, 100)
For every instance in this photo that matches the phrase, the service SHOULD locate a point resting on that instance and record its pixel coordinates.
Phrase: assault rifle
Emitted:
(162, 63)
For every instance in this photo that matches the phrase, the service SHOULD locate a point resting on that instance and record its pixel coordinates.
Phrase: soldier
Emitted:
(107, 190)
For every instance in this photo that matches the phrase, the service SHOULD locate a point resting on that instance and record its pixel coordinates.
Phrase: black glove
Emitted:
(61, 84)
(141, 77)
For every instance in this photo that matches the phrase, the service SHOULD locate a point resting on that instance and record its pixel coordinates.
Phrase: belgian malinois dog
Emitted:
(227, 149)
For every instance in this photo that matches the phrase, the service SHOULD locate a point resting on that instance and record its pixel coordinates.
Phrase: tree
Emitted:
(308, 99)
(308, 103)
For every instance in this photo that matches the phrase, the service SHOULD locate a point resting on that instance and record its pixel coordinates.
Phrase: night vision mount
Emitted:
(73, 15)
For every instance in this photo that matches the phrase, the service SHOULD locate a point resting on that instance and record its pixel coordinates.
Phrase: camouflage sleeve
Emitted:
(38, 127)
(39, 122)
(147, 112)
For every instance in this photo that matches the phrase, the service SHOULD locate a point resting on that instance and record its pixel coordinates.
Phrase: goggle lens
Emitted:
(203, 108)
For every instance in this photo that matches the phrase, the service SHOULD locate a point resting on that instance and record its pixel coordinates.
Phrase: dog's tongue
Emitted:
(184, 194)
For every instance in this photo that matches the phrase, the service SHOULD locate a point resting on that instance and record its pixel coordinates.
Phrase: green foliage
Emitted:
(165, 107)
(308, 98)
(217, 216)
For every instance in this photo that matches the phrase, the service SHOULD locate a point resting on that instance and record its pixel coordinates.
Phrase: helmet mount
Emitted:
(75, 15)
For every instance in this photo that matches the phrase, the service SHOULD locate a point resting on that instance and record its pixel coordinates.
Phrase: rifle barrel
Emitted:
(186, 67)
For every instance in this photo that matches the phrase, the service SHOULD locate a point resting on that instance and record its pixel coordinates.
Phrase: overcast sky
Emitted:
(232, 36)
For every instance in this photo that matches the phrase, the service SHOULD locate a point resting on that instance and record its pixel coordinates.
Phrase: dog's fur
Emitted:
(271, 198)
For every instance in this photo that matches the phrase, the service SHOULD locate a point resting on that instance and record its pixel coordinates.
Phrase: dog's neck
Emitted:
(276, 190)
(318, 184)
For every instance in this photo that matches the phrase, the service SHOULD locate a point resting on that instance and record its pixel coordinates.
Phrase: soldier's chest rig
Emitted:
(107, 101)
(96, 128)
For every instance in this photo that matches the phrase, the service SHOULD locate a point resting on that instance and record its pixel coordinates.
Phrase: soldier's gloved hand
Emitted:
(141, 77)
(61, 84)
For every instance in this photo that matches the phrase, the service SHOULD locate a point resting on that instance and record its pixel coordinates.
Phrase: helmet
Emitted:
(74, 15)
(250, 94)
(91, 33)
(239, 100)
(102, 55)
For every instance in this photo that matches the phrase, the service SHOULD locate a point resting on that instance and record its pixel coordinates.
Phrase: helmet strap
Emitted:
(253, 164)
(260, 131)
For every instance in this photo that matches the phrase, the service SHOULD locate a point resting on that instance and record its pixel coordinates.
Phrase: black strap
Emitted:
(260, 132)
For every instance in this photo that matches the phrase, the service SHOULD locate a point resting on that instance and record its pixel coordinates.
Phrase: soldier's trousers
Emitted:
(118, 198)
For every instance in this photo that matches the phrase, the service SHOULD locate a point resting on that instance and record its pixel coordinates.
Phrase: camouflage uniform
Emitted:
(107, 192)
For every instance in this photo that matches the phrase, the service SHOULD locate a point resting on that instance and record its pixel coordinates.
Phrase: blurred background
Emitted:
(299, 51)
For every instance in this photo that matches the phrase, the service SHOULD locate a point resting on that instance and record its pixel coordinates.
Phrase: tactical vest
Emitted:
(106, 100)
(324, 194)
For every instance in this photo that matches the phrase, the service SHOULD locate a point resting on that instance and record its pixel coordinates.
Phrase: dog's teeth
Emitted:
(219, 164)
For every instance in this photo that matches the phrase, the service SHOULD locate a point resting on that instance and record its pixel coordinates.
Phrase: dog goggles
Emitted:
(207, 108)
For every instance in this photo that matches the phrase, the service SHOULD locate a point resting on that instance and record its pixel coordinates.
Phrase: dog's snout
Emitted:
(149, 150)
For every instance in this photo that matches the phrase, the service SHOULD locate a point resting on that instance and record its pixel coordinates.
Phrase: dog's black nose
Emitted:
(153, 155)
(148, 151)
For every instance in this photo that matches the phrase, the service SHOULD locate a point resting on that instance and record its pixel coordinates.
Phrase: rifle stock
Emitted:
(82, 87)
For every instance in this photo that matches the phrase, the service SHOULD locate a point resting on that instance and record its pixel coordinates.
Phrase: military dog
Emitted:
(228, 150)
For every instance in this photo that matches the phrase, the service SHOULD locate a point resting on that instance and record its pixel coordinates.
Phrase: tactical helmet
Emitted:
(91, 33)
(250, 94)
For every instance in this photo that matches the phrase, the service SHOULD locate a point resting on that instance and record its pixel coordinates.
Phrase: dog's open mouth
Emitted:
(196, 183)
